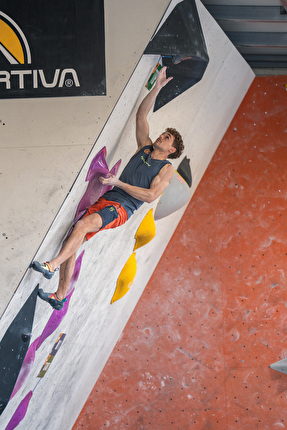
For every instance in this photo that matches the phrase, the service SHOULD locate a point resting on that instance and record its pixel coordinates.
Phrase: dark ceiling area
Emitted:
(257, 28)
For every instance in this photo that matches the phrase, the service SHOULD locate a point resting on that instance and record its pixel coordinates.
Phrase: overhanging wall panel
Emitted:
(202, 114)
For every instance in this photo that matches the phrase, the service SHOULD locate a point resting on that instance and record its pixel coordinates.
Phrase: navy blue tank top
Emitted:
(140, 171)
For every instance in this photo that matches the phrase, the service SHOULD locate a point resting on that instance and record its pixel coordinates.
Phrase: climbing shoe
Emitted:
(52, 299)
(43, 268)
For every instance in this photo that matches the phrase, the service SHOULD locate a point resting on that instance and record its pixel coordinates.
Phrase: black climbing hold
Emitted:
(180, 42)
(184, 171)
(14, 346)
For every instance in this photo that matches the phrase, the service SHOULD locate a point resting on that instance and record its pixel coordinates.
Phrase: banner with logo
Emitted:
(52, 48)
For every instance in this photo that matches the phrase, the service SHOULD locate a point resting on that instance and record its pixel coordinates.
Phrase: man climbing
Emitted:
(144, 179)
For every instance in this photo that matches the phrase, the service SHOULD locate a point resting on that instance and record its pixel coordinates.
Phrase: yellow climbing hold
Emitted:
(146, 231)
(126, 278)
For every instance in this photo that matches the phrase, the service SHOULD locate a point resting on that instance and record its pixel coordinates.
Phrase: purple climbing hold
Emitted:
(95, 188)
(20, 412)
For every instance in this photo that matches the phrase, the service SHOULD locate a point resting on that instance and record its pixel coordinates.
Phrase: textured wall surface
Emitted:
(196, 351)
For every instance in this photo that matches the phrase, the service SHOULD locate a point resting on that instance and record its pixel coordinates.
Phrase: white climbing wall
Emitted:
(92, 325)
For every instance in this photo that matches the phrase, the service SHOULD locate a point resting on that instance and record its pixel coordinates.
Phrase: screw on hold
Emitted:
(25, 337)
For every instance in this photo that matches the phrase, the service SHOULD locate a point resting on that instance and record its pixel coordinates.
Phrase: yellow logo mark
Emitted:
(13, 43)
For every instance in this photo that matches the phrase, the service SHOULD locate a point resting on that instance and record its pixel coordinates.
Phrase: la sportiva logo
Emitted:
(16, 50)
(52, 49)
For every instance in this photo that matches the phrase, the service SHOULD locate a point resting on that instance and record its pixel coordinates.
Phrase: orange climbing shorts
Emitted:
(112, 214)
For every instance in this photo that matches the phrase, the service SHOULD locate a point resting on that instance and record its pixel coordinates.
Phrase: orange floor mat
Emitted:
(197, 348)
